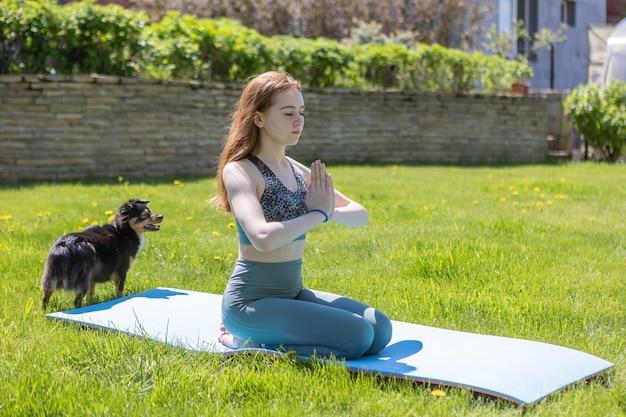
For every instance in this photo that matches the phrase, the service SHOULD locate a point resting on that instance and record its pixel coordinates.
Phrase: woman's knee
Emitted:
(382, 330)
(358, 341)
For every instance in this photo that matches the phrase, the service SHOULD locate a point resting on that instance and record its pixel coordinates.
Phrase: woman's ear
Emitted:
(258, 120)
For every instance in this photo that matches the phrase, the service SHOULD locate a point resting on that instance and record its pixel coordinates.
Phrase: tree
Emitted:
(450, 23)
(502, 44)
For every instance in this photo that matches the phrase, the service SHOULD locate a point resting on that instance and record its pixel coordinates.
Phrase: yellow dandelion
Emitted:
(490, 176)
(231, 225)
(503, 199)
(189, 218)
(120, 178)
(215, 233)
(515, 203)
(94, 204)
(592, 219)
(6, 217)
(474, 202)
(85, 220)
(511, 188)
(216, 257)
(536, 189)
(95, 222)
(455, 169)
(539, 204)
(395, 167)
(177, 182)
(438, 393)
(111, 217)
(562, 180)
(108, 212)
(516, 192)
(549, 202)
(542, 195)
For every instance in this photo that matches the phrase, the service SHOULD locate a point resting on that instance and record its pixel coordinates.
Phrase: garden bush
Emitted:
(39, 36)
(28, 35)
(183, 47)
(98, 39)
(599, 115)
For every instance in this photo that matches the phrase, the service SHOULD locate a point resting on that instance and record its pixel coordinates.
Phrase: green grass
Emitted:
(534, 252)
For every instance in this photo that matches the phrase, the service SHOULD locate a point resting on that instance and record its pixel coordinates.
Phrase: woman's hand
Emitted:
(321, 190)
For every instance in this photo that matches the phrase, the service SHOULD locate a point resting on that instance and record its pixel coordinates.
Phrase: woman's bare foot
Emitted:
(231, 341)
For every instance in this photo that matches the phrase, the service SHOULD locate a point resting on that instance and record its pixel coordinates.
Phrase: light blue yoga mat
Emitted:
(517, 370)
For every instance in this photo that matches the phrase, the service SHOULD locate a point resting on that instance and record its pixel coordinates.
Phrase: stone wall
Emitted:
(71, 127)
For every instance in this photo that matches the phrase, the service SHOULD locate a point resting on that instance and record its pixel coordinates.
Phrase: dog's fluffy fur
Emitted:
(77, 261)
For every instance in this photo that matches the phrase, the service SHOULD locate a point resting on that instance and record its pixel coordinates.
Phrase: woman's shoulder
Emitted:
(239, 165)
(241, 169)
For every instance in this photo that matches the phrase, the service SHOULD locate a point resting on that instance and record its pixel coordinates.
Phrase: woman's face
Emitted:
(283, 120)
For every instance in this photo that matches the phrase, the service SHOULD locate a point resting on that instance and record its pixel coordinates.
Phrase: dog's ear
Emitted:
(137, 201)
(124, 212)
(127, 209)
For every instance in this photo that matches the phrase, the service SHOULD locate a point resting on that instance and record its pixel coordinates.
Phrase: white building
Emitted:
(567, 66)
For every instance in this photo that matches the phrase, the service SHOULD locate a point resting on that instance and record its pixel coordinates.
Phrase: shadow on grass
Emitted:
(99, 182)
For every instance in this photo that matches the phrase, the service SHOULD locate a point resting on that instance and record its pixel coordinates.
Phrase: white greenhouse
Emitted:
(615, 59)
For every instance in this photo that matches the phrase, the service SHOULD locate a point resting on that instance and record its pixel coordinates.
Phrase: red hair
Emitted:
(243, 135)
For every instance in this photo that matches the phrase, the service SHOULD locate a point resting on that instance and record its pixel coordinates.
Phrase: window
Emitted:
(528, 13)
(568, 12)
(505, 17)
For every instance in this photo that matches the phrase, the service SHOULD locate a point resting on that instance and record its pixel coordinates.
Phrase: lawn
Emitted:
(534, 252)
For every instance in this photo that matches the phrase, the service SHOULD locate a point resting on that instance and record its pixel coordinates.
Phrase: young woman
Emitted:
(275, 200)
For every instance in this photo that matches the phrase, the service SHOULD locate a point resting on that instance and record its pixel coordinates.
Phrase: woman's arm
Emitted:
(347, 211)
(265, 236)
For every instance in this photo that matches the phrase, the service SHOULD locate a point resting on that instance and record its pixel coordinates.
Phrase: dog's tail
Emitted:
(69, 265)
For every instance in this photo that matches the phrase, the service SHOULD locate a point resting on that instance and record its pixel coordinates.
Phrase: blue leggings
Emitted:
(265, 303)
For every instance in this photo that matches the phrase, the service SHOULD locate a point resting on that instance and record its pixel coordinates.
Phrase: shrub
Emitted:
(100, 39)
(173, 47)
(291, 54)
(28, 32)
(38, 36)
(387, 65)
(599, 115)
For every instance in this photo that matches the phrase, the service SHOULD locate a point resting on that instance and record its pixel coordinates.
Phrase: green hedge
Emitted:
(599, 115)
(39, 36)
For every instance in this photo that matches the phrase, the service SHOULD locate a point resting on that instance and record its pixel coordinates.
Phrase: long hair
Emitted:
(243, 135)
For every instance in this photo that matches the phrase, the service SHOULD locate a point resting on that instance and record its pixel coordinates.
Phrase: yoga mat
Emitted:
(521, 371)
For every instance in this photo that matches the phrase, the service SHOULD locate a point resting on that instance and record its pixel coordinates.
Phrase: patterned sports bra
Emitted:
(278, 202)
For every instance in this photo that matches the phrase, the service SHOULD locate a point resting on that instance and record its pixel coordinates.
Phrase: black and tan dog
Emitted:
(77, 261)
